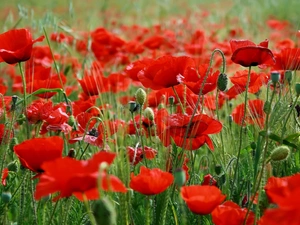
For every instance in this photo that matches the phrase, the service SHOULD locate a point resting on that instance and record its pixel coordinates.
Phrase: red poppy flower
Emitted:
(136, 155)
(194, 79)
(16, 46)
(118, 82)
(240, 79)
(202, 199)
(246, 53)
(254, 115)
(77, 177)
(288, 59)
(38, 111)
(230, 211)
(134, 68)
(93, 81)
(209, 180)
(34, 152)
(166, 71)
(175, 126)
(4, 176)
(151, 181)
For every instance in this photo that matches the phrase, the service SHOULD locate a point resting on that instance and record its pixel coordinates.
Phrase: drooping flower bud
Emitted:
(288, 76)
(140, 96)
(222, 82)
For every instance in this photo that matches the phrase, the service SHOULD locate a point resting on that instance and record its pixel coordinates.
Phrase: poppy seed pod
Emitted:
(275, 76)
(149, 114)
(179, 177)
(280, 153)
(267, 107)
(104, 212)
(222, 82)
(171, 100)
(133, 106)
(140, 96)
(6, 197)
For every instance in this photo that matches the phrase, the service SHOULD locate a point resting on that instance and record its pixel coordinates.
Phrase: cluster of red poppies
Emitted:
(171, 79)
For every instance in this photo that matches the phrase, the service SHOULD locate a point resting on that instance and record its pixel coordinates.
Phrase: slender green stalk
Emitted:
(89, 211)
(241, 133)
(148, 211)
(178, 99)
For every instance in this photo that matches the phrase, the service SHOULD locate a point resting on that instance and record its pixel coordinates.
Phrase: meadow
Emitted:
(149, 112)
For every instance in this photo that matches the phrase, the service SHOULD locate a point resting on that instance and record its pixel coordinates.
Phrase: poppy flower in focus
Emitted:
(34, 152)
(77, 177)
(134, 68)
(164, 72)
(246, 53)
(175, 126)
(151, 181)
(230, 211)
(4, 176)
(254, 115)
(202, 199)
(16, 46)
(194, 79)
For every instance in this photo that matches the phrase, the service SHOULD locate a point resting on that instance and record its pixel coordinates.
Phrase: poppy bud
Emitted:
(171, 100)
(104, 212)
(72, 121)
(12, 166)
(14, 141)
(275, 76)
(280, 153)
(133, 106)
(6, 197)
(218, 169)
(288, 76)
(297, 87)
(253, 145)
(140, 96)
(149, 114)
(179, 177)
(222, 82)
(14, 100)
(267, 107)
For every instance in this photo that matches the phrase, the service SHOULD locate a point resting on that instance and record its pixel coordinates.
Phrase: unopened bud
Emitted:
(71, 153)
(222, 82)
(140, 96)
(280, 153)
(149, 114)
(104, 212)
(267, 107)
(288, 76)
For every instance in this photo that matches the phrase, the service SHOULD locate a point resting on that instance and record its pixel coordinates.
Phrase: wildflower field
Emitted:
(143, 112)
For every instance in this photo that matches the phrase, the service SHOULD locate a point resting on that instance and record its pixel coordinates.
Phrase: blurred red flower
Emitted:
(230, 211)
(77, 177)
(164, 72)
(283, 192)
(4, 176)
(287, 59)
(202, 199)
(16, 46)
(137, 155)
(175, 126)
(254, 115)
(246, 53)
(34, 152)
(151, 181)
(209, 180)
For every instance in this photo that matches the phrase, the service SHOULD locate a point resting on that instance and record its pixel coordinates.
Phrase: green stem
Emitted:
(177, 96)
(88, 209)
(241, 133)
(147, 211)
(287, 118)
